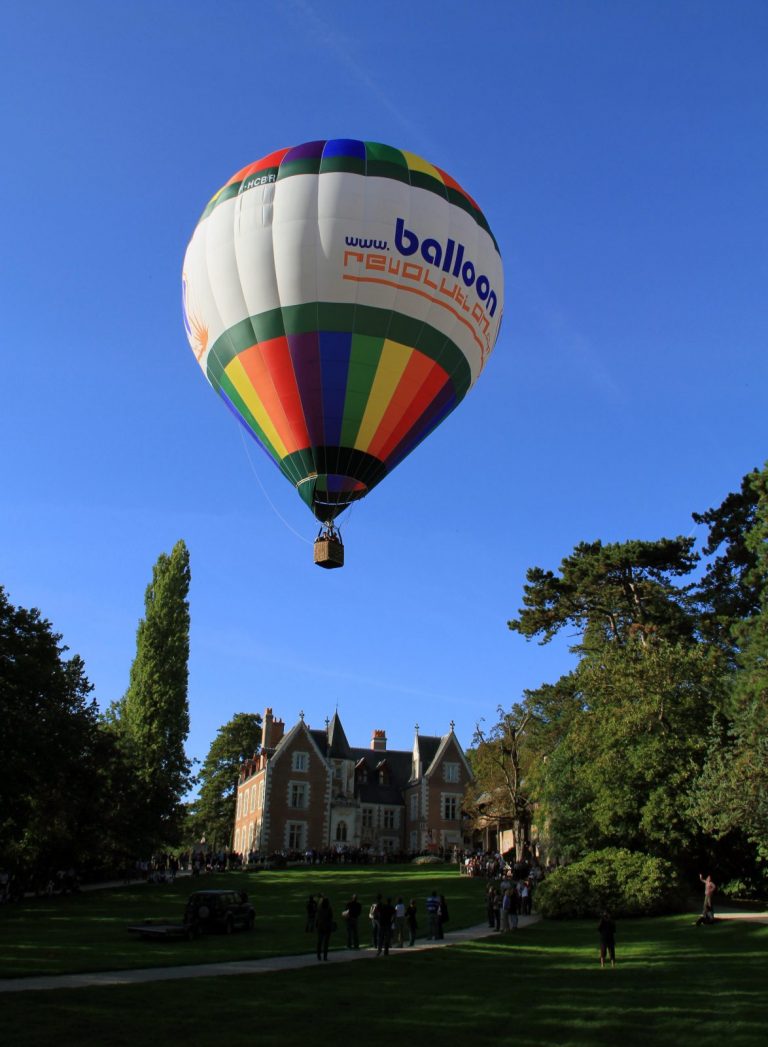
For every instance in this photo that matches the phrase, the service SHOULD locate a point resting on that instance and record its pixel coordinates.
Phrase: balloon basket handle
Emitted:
(329, 549)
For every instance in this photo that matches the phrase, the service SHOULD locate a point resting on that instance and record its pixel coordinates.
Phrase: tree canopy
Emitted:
(152, 718)
(56, 789)
(213, 813)
(607, 591)
(658, 738)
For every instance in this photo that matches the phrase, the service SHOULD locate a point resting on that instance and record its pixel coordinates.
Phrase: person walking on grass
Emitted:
(386, 920)
(352, 915)
(311, 913)
(400, 923)
(607, 931)
(325, 927)
(433, 916)
(410, 920)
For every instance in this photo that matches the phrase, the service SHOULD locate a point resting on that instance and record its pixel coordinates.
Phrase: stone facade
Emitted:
(311, 789)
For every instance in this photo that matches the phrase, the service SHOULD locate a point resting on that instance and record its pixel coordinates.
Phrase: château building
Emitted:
(310, 789)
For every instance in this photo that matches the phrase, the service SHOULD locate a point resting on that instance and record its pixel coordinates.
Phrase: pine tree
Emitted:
(153, 716)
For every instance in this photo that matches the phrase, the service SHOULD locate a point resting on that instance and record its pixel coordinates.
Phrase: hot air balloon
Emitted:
(341, 297)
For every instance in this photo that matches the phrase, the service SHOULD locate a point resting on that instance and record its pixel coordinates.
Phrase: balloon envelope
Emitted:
(342, 297)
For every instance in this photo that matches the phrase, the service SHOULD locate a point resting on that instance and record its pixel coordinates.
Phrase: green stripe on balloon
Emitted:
(363, 364)
(329, 316)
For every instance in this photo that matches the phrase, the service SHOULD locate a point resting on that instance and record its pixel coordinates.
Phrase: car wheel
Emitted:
(229, 925)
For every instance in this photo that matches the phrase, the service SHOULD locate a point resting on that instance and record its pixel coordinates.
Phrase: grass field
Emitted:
(88, 932)
(674, 984)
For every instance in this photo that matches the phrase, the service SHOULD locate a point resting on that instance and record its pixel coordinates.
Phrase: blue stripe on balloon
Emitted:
(335, 351)
(305, 357)
(344, 147)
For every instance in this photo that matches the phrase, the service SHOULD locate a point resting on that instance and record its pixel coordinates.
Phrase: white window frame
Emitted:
(455, 800)
(301, 791)
(300, 761)
(294, 828)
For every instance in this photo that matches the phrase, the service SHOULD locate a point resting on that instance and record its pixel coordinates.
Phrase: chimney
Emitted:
(272, 731)
(379, 741)
(278, 730)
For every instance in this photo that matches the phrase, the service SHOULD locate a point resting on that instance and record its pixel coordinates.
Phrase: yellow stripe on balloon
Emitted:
(240, 380)
(415, 163)
(392, 362)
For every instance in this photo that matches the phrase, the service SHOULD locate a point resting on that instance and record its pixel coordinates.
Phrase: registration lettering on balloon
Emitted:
(341, 297)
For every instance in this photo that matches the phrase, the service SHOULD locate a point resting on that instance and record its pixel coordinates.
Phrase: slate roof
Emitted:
(428, 745)
(338, 746)
(333, 744)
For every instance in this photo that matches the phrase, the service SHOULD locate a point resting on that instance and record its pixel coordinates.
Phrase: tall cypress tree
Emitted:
(154, 712)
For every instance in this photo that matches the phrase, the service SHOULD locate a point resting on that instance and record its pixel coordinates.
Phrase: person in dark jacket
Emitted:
(410, 921)
(325, 926)
(442, 916)
(607, 931)
(352, 912)
(386, 919)
(311, 913)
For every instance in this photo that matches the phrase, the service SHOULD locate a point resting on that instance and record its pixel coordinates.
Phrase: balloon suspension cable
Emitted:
(264, 492)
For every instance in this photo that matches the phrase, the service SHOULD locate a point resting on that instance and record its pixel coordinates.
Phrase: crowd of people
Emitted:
(506, 901)
(393, 923)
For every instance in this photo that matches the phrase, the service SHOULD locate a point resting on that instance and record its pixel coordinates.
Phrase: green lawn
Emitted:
(88, 932)
(675, 984)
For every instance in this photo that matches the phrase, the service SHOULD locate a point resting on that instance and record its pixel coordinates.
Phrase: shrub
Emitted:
(625, 883)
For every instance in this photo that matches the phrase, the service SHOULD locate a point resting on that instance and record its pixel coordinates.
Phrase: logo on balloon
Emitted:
(442, 272)
(449, 259)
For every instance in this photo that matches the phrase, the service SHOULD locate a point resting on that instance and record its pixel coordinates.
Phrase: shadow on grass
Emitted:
(675, 984)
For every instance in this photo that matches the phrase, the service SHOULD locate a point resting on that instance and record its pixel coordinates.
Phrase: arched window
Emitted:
(341, 832)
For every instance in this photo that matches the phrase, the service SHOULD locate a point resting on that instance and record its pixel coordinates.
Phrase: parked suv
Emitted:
(218, 911)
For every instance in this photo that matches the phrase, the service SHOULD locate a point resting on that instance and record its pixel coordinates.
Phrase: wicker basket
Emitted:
(329, 553)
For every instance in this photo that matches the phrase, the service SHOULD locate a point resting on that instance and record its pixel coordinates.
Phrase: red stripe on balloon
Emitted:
(270, 371)
(421, 382)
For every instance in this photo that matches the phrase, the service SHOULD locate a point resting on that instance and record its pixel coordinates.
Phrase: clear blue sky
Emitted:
(619, 152)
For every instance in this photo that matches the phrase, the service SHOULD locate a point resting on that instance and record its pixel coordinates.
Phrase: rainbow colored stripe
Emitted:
(371, 159)
(337, 408)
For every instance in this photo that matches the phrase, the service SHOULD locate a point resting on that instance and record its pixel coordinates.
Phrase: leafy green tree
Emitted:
(153, 716)
(622, 741)
(609, 592)
(643, 739)
(57, 789)
(731, 588)
(733, 793)
(500, 762)
(213, 813)
(557, 782)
